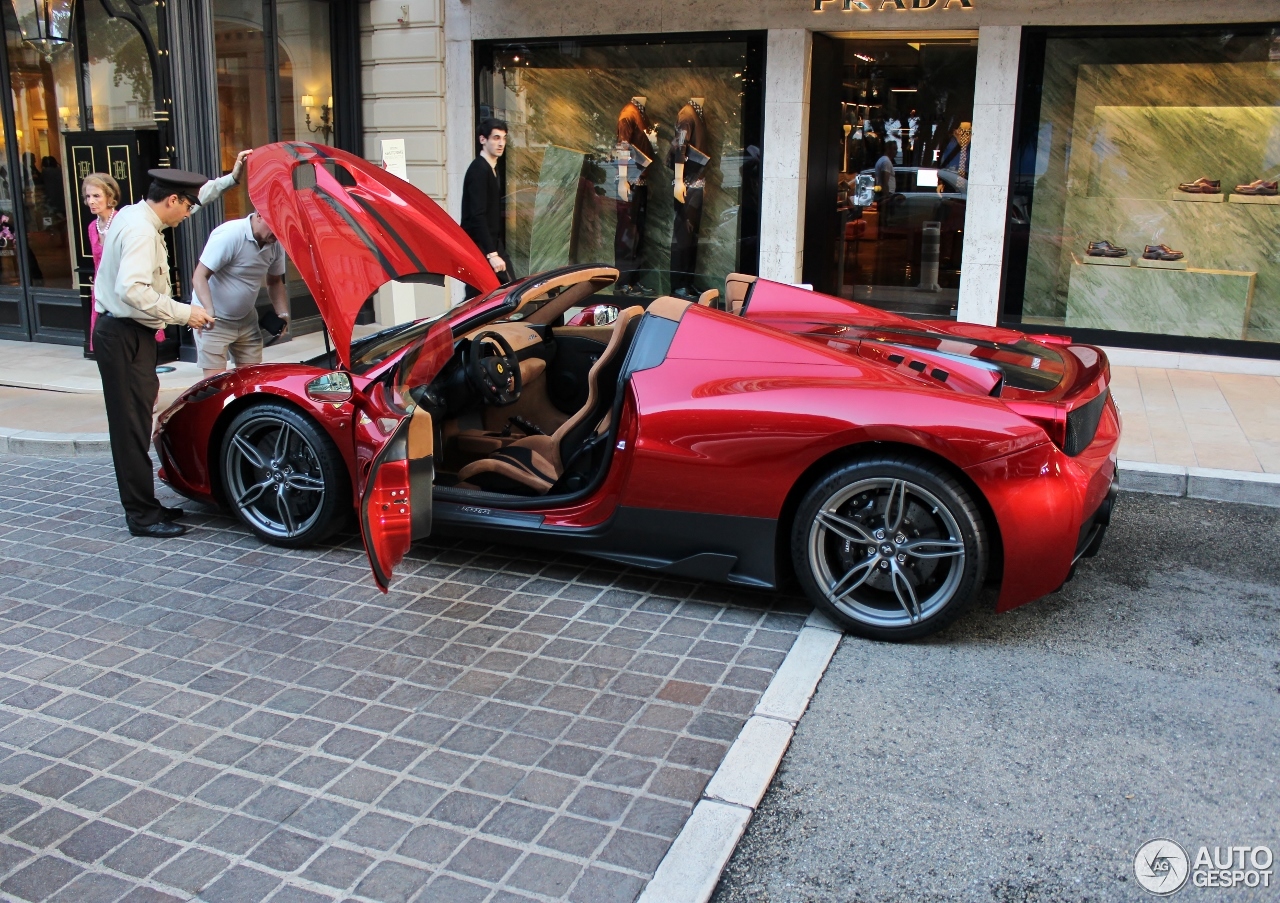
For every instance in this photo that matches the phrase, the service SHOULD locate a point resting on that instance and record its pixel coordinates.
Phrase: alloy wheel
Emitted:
(886, 552)
(274, 477)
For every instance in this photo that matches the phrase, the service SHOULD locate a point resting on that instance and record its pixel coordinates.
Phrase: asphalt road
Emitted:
(1027, 756)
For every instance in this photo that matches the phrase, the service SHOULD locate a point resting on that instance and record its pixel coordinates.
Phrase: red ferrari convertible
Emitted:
(894, 465)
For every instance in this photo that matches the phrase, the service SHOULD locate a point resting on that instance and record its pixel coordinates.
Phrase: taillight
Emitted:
(1049, 417)
(332, 388)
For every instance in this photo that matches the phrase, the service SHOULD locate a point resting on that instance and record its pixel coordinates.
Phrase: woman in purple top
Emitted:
(102, 197)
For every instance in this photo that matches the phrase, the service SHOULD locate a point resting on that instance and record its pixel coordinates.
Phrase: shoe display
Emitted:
(1105, 249)
(1202, 186)
(1260, 188)
(1160, 252)
(685, 294)
(160, 530)
(171, 514)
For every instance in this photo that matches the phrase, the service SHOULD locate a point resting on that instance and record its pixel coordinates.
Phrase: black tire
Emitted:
(878, 581)
(306, 474)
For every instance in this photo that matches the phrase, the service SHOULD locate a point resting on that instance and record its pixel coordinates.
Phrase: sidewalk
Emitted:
(1186, 432)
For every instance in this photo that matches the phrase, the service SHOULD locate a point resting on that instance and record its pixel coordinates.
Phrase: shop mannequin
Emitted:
(689, 158)
(635, 131)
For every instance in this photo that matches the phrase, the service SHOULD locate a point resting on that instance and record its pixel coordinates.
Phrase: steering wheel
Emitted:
(494, 370)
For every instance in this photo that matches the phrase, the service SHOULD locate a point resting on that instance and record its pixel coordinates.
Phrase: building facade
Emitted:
(119, 86)
(1018, 134)
(941, 158)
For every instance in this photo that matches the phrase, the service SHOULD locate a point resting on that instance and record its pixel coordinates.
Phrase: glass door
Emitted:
(897, 154)
(38, 289)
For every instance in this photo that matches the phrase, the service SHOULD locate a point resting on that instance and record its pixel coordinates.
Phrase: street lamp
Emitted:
(326, 116)
(44, 23)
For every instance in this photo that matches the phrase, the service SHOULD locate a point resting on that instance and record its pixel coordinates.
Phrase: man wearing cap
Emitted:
(132, 296)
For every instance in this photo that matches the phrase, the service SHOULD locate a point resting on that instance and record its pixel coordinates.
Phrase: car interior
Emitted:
(528, 406)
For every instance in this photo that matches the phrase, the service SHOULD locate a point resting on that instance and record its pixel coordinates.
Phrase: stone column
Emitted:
(195, 133)
(986, 213)
(460, 101)
(786, 153)
(403, 97)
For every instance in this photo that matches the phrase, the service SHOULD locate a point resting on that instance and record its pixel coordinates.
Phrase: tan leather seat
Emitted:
(534, 464)
(736, 288)
(708, 298)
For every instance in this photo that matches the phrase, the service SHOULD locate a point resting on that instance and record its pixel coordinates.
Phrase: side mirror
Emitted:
(332, 388)
(603, 314)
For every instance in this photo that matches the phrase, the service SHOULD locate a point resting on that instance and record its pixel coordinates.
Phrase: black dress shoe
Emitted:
(159, 530)
(171, 514)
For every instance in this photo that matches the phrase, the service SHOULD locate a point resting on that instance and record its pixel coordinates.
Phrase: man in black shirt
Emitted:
(482, 200)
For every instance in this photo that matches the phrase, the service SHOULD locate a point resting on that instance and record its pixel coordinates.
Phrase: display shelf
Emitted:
(1255, 199)
(1165, 264)
(1186, 197)
(1192, 302)
(1124, 261)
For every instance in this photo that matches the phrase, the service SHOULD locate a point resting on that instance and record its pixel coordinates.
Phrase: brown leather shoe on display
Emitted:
(1160, 252)
(1202, 186)
(1261, 187)
(1105, 249)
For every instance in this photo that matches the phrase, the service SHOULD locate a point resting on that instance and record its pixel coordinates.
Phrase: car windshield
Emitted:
(367, 353)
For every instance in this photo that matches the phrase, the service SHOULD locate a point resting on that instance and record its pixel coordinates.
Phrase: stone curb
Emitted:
(1201, 483)
(692, 867)
(53, 445)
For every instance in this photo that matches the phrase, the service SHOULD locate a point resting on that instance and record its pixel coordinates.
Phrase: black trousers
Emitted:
(684, 239)
(628, 236)
(126, 356)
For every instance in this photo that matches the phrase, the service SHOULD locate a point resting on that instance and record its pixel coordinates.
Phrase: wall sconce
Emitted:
(325, 127)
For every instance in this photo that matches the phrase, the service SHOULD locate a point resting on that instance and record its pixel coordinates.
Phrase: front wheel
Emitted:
(893, 548)
(283, 476)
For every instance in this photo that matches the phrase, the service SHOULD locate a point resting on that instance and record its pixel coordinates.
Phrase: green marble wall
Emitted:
(1114, 142)
(571, 108)
(1191, 302)
(555, 207)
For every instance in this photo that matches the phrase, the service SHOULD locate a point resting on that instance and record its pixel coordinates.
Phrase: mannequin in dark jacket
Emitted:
(635, 131)
(689, 158)
(482, 200)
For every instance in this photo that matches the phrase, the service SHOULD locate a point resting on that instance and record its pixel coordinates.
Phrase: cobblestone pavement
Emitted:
(209, 718)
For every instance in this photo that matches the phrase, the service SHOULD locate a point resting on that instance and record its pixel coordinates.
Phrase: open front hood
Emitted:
(350, 227)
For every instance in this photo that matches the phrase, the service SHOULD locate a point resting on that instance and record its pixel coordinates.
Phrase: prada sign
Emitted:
(867, 6)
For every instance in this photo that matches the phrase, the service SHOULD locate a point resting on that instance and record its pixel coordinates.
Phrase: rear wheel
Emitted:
(893, 548)
(283, 476)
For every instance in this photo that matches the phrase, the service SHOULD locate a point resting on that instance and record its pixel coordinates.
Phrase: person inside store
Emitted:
(482, 200)
(132, 295)
(101, 195)
(239, 255)
(886, 182)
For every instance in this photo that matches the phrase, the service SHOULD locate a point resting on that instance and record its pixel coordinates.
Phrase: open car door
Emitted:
(395, 499)
(350, 227)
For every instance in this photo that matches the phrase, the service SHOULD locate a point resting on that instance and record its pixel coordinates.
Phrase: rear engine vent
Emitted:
(1082, 424)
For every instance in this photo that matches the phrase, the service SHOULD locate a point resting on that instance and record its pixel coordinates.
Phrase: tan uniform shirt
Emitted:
(133, 278)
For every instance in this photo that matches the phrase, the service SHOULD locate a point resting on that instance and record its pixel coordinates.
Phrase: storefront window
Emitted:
(597, 131)
(120, 88)
(244, 118)
(306, 76)
(905, 124)
(44, 92)
(1144, 197)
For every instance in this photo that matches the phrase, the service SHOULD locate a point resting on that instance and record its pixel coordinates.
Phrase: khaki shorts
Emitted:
(240, 339)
